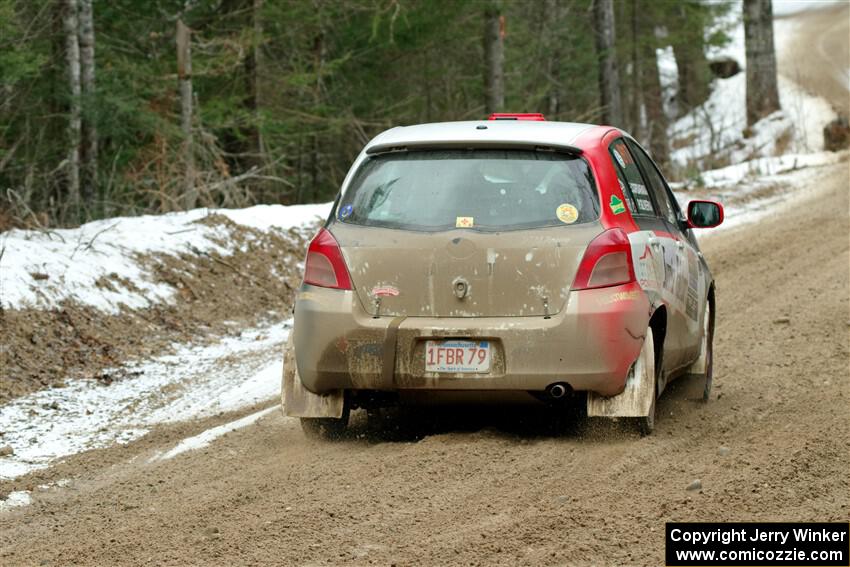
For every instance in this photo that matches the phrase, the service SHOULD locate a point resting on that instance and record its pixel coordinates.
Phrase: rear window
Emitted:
(478, 189)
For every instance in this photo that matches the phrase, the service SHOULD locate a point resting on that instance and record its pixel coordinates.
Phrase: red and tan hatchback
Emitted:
(503, 259)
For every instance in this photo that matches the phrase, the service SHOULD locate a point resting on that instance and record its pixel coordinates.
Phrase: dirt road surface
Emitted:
(819, 56)
(490, 487)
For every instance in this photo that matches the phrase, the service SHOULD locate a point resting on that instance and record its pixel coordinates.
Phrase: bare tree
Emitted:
(553, 16)
(89, 129)
(184, 77)
(762, 94)
(494, 58)
(609, 80)
(254, 65)
(72, 59)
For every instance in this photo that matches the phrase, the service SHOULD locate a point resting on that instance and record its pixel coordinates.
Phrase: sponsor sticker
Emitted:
(616, 204)
(567, 213)
(385, 291)
(464, 222)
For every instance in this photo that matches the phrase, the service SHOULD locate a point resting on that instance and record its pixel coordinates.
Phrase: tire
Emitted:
(708, 349)
(326, 428)
(646, 364)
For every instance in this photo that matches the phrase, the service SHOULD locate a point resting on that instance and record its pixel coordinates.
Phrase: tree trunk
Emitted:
(553, 13)
(319, 55)
(89, 131)
(762, 94)
(689, 52)
(253, 65)
(609, 80)
(693, 72)
(636, 124)
(494, 59)
(72, 58)
(653, 97)
(184, 77)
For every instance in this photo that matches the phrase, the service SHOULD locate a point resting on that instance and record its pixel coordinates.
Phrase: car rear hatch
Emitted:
(467, 233)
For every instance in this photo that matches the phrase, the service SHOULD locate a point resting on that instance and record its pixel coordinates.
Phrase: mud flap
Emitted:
(699, 368)
(298, 401)
(637, 397)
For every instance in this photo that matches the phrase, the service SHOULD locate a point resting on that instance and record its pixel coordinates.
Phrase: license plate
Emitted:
(457, 356)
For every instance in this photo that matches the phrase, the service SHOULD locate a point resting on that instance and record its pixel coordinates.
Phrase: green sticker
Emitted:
(616, 205)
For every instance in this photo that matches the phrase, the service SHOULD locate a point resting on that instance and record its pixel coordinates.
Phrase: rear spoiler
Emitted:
(471, 145)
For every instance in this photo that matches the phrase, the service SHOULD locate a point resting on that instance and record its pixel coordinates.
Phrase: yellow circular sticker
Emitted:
(567, 213)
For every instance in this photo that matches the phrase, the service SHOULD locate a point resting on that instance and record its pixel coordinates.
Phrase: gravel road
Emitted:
(490, 487)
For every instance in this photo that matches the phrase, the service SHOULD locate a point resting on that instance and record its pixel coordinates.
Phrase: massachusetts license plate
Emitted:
(457, 356)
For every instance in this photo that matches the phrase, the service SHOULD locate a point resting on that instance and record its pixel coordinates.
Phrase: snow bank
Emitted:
(195, 381)
(40, 269)
(717, 130)
(788, 7)
(760, 169)
(759, 188)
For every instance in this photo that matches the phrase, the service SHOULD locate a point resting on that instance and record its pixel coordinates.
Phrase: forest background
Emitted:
(126, 107)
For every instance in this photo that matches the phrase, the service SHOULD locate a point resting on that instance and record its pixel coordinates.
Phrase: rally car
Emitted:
(513, 259)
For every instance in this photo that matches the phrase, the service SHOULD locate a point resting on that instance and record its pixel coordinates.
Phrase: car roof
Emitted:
(481, 132)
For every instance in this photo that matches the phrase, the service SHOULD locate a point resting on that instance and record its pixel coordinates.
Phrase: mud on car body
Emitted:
(510, 259)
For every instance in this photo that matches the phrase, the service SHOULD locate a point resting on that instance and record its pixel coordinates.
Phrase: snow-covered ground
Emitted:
(782, 183)
(193, 382)
(40, 269)
(717, 130)
(788, 7)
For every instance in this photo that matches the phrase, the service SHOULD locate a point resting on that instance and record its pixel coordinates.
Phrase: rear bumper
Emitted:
(590, 344)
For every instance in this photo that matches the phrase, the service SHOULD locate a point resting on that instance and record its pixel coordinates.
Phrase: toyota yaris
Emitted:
(512, 259)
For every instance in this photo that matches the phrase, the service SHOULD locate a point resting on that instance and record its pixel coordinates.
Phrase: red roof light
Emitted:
(533, 116)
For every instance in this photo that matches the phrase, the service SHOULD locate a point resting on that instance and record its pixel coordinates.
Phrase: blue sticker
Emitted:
(345, 211)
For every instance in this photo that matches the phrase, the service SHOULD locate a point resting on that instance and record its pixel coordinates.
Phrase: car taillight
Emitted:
(607, 261)
(325, 266)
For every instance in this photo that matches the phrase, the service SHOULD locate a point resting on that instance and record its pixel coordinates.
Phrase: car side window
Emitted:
(630, 176)
(656, 184)
(624, 187)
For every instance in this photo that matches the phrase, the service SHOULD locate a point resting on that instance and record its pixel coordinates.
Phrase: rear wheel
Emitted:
(327, 428)
(645, 371)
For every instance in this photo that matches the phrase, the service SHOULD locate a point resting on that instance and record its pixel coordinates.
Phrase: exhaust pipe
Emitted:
(557, 391)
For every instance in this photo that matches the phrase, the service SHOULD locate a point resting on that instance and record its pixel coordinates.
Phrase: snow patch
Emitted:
(193, 382)
(788, 7)
(755, 190)
(204, 439)
(762, 168)
(15, 499)
(715, 130)
(40, 269)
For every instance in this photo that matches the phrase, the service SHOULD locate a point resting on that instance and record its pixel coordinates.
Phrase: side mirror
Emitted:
(704, 214)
